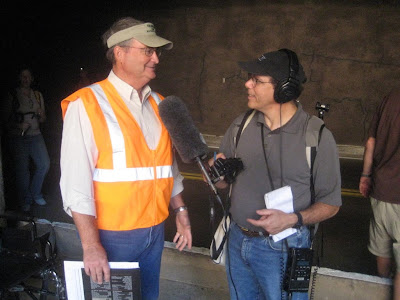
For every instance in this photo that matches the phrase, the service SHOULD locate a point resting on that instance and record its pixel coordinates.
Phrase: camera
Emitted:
(229, 168)
(322, 108)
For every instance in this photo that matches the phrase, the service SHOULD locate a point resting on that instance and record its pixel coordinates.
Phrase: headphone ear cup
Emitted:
(286, 90)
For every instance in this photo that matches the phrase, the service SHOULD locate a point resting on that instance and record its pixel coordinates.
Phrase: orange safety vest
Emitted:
(132, 183)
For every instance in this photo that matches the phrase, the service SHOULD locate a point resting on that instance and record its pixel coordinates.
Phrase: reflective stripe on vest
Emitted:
(120, 171)
(117, 139)
(131, 174)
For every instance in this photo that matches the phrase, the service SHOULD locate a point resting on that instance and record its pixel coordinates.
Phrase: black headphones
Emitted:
(289, 88)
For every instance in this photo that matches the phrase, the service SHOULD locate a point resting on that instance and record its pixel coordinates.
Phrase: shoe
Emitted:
(40, 201)
(26, 207)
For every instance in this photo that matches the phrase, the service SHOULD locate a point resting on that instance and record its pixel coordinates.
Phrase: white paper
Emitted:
(281, 199)
(73, 276)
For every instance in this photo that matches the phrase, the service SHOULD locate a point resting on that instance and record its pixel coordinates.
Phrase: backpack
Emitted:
(314, 130)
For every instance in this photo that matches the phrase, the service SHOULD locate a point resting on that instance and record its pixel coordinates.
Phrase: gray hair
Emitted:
(118, 25)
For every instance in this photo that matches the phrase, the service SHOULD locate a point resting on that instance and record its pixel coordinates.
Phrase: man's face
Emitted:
(260, 92)
(25, 78)
(136, 65)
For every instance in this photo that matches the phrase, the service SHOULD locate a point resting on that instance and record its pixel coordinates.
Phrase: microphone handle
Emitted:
(209, 181)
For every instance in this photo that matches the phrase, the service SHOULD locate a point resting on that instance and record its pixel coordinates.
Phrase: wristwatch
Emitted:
(299, 220)
(179, 209)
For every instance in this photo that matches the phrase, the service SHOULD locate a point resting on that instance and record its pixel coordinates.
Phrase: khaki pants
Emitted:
(384, 230)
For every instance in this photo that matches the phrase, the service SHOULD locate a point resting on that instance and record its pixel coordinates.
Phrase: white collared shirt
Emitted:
(79, 151)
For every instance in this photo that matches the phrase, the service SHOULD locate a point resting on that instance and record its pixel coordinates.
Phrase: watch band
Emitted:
(179, 209)
(365, 175)
(299, 220)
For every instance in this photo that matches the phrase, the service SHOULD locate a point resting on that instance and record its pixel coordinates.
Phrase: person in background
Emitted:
(380, 181)
(23, 112)
(119, 174)
(273, 150)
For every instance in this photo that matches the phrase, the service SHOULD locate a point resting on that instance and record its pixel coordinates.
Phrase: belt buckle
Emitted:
(243, 229)
(251, 233)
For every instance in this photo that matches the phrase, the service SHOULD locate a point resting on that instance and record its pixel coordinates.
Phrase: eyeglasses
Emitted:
(255, 80)
(147, 50)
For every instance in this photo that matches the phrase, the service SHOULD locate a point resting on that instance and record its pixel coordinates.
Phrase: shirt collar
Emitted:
(293, 126)
(127, 91)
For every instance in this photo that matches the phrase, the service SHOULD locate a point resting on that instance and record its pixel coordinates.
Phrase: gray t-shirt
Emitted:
(285, 150)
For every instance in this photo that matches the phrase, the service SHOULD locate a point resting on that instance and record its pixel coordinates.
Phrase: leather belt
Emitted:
(251, 233)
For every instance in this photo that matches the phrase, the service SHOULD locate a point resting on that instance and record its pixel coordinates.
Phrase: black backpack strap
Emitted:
(314, 131)
(313, 155)
(241, 126)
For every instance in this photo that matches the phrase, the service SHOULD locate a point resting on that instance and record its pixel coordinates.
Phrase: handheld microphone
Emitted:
(185, 136)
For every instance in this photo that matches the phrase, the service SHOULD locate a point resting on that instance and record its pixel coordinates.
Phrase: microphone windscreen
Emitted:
(184, 134)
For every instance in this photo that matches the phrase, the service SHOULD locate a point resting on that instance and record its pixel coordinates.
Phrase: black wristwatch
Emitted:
(299, 220)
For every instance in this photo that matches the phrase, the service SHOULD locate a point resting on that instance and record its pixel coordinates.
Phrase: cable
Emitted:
(313, 282)
(282, 273)
(229, 265)
(280, 143)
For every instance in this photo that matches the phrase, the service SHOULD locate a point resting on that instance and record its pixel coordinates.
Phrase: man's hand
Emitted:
(216, 156)
(96, 263)
(365, 186)
(24, 127)
(94, 256)
(221, 184)
(273, 220)
(183, 236)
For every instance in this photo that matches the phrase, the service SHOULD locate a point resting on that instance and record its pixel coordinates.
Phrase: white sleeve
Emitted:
(77, 161)
(178, 178)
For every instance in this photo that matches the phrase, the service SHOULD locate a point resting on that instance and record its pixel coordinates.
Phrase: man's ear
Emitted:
(118, 52)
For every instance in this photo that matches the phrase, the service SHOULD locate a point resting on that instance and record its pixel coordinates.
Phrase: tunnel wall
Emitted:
(349, 52)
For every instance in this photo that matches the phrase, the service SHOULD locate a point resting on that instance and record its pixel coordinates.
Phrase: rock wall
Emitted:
(349, 53)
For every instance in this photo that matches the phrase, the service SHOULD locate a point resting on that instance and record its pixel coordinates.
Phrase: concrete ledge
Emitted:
(191, 274)
(345, 151)
(195, 271)
(351, 151)
(208, 280)
(333, 284)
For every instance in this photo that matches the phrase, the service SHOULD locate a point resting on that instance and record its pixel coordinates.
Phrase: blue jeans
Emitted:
(24, 148)
(144, 245)
(255, 265)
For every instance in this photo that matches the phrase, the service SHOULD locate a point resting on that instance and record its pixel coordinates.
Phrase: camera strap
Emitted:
(245, 121)
(265, 158)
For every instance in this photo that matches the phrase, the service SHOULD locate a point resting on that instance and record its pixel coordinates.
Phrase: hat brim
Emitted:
(154, 41)
(253, 67)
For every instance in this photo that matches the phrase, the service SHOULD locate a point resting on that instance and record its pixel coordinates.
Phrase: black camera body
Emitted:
(298, 272)
(229, 168)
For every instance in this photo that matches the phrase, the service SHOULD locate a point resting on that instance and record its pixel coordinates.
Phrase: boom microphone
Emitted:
(184, 134)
